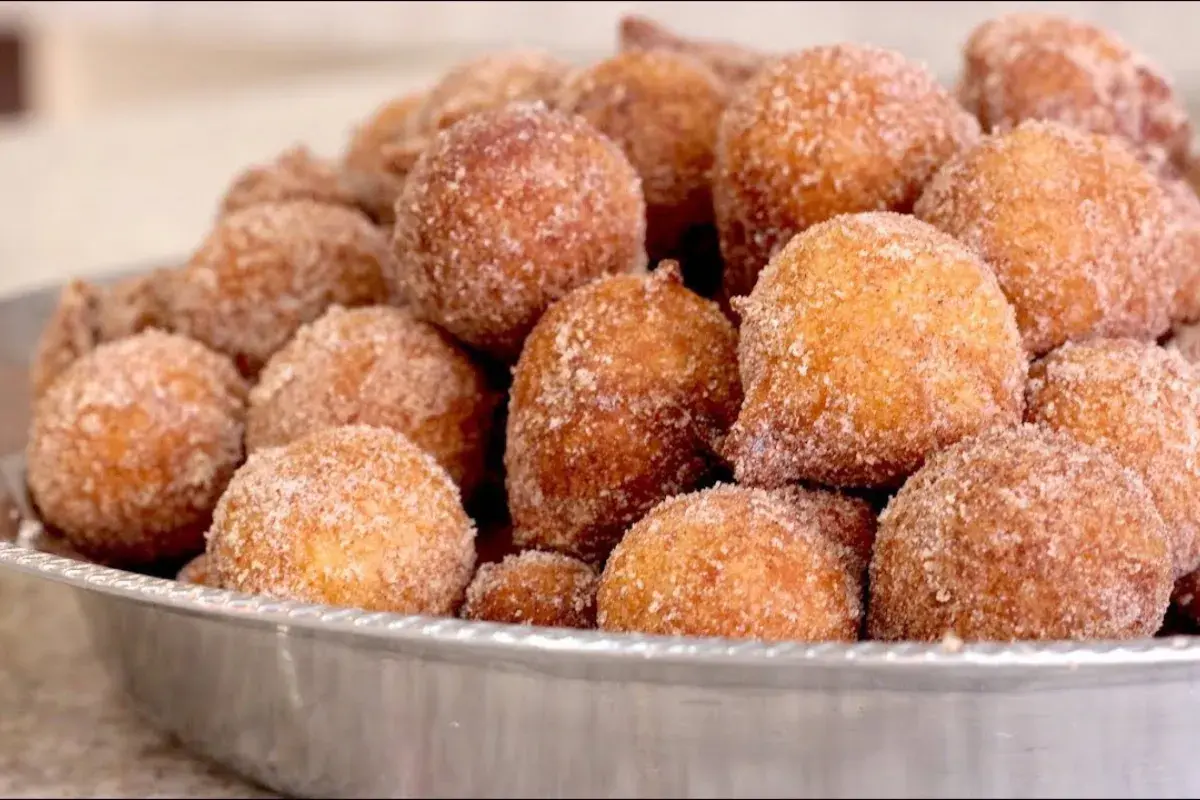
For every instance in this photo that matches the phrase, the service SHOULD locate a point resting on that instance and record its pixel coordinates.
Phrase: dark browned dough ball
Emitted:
(663, 109)
(506, 212)
(825, 131)
(620, 399)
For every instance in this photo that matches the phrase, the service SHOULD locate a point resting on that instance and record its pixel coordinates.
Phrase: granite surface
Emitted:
(65, 729)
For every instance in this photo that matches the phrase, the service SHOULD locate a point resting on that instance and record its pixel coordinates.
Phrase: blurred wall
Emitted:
(91, 57)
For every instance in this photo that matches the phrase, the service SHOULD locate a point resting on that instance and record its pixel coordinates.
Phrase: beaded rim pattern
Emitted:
(450, 632)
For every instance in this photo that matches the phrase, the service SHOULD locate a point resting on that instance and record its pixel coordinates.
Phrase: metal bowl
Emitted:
(320, 701)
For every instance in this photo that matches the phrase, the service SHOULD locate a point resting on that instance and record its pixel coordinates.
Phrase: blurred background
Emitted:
(121, 123)
(69, 60)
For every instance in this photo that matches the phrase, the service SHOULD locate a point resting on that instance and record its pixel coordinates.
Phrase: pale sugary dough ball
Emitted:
(871, 341)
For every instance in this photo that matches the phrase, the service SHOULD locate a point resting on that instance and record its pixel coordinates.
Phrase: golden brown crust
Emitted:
(1141, 403)
(295, 174)
(620, 399)
(353, 516)
(505, 213)
(377, 366)
(662, 109)
(1039, 66)
(1076, 229)
(373, 172)
(68, 334)
(729, 562)
(870, 341)
(534, 588)
(733, 63)
(197, 573)
(131, 306)
(826, 131)
(1020, 533)
(131, 447)
(264, 271)
(849, 521)
(490, 82)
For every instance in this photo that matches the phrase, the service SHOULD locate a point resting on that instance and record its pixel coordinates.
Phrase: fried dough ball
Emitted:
(88, 315)
(197, 573)
(1040, 66)
(663, 109)
(827, 131)
(534, 588)
(620, 399)
(870, 341)
(68, 334)
(1073, 226)
(505, 213)
(732, 63)
(1184, 208)
(1141, 403)
(377, 366)
(730, 562)
(490, 82)
(1020, 533)
(353, 516)
(380, 153)
(131, 306)
(266, 270)
(131, 447)
(296, 174)
(849, 521)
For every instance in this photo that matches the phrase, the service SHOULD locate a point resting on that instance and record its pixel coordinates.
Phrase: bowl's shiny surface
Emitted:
(319, 701)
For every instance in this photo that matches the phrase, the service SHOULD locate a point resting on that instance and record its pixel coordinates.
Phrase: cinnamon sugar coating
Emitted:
(870, 341)
(733, 63)
(88, 315)
(1077, 230)
(131, 447)
(353, 516)
(1141, 403)
(295, 174)
(826, 131)
(381, 150)
(663, 109)
(1020, 533)
(729, 562)
(490, 82)
(620, 399)
(69, 333)
(1027, 66)
(534, 588)
(505, 213)
(264, 271)
(196, 572)
(849, 521)
(377, 366)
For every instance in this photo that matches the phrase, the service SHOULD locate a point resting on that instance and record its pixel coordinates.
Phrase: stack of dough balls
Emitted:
(692, 340)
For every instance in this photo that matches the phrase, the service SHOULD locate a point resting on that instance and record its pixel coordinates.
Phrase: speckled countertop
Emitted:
(126, 191)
